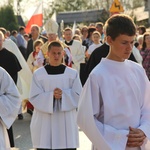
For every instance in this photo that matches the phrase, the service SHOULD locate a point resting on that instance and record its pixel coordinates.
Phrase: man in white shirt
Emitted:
(114, 109)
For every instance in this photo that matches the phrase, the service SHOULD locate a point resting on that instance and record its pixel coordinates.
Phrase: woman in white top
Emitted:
(96, 36)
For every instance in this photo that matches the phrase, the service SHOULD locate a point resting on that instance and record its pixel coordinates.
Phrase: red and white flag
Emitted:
(37, 18)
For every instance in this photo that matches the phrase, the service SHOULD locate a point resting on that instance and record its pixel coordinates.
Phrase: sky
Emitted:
(27, 6)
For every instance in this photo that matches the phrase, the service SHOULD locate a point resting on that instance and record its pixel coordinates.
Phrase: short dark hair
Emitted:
(90, 31)
(120, 24)
(13, 32)
(21, 28)
(144, 37)
(143, 28)
(55, 44)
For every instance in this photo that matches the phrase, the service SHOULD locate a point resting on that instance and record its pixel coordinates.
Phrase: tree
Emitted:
(68, 5)
(8, 19)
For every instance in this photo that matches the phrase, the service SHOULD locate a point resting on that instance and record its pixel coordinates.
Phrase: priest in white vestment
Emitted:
(54, 94)
(9, 106)
(76, 48)
(114, 106)
(25, 74)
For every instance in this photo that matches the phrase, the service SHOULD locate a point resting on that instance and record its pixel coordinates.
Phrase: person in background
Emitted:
(43, 33)
(54, 94)
(77, 37)
(24, 75)
(114, 107)
(84, 33)
(7, 34)
(76, 49)
(33, 56)
(78, 31)
(145, 52)
(13, 36)
(141, 29)
(35, 34)
(140, 41)
(26, 37)
(33, 66)
(51, 27)
(99, 28)
(88, 41)
(21, 41)
(96, 36)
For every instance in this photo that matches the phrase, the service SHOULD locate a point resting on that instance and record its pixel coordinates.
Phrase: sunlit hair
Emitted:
(99, 24)
(84, 28)
(96, 33)
(13, 32)
(3, 30)
(54, 44)
(67, 29)
(1, 34)
(35, 26)
(77, 37)
(144, 37)
(37, 42)
(120, 24)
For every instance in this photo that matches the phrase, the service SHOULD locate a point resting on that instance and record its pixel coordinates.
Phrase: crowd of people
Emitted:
(96, 77)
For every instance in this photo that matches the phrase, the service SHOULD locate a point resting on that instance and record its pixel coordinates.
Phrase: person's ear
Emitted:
(63, 52)
(48, 53)
(109, 40)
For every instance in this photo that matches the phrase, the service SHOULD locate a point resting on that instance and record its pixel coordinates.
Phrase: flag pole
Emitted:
(43, 15)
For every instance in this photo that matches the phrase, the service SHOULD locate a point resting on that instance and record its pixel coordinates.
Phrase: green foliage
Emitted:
(68, 5)
(8, 19)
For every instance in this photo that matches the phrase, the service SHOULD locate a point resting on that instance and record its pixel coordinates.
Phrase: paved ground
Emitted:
(23, 138)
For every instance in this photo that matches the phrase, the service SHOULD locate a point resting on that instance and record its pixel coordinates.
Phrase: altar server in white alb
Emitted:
(55, 91)
(114, 108)
(76, 48)
(10, 103)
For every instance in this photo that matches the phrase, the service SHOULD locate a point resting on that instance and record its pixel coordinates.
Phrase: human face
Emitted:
(38, 48)
(68, 35)
(84, 32)
(96, 38)
(55, 55)
(99, 29)
(52, 37)
(147, 40)
(34, 32)
(120, 48)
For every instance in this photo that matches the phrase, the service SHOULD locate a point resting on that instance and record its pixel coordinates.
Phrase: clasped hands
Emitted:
(57, 93)
(135, 137)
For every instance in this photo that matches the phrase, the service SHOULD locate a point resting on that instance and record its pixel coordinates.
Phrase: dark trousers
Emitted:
(57, 149)
(11, 137)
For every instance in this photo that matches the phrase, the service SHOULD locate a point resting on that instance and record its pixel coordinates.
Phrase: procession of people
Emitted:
(95, 78)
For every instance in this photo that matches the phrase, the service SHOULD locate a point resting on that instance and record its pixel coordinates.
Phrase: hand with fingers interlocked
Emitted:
(57, 93)
(135, 137)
